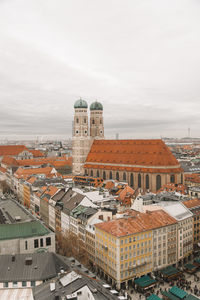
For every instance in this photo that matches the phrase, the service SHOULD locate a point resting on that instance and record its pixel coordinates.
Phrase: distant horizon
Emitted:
(42, 138)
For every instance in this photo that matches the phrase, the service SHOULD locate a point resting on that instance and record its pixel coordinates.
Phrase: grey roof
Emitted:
(44, 266)
(58, 196)
(48, 181)
(71, 203)
(10, 209)
(42, 292)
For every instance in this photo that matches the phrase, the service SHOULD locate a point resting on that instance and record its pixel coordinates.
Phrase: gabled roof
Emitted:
(9, 161)
(12, 149)
(132, 155)
(25, 173)
(49, 192)
(137, 222)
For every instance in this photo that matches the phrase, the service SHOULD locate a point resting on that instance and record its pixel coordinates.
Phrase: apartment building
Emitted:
(125, 246)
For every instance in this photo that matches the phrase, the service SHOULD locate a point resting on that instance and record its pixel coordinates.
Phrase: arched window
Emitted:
(132, 183)
(110, 175)
(97, 173)
(172, 178)
(91, 173)
(117, 176)
(158, 182)
(85, 172)
(139, 180)
(181, 178)
(124, 176)
(104, 175)
(147, 181)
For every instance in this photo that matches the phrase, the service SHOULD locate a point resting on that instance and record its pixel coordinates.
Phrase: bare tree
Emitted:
(69, 244)
(4, 187)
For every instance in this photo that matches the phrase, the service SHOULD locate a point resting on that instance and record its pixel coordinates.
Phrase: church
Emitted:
(146, 164)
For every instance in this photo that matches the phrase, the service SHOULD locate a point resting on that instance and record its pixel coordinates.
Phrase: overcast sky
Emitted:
(139, 58)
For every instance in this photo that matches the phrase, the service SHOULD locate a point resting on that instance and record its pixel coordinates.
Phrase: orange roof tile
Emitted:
(172, 187)
(132, 155)
(25, 173)
(36, 153)
(192, 203)
(126, 192)
(3, 170)
(31, 180)
(137, 222)
(9, 161)
(12, 149)
(109, 185)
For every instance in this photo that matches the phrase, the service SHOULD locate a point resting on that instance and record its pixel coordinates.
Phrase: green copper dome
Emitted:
(96, 106)
(80, 104)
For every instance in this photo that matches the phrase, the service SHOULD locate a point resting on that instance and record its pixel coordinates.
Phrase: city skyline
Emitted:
(141, 61)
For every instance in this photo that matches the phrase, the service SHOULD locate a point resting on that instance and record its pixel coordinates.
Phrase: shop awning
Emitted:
(145, 281)
(176, 291)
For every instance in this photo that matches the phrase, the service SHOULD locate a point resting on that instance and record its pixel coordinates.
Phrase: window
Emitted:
(48, 241)
(91, 173)
(158, 182)
(24, 283)
(147, 181)
(77, 120)
(131, 183)
(26, 245)
(36, 244)
(117, 176)
(110, 175)
(97, 173)
(14, 283)
(124, 176)
(104, 175)
(5, 284)
(139, 180)
(32, 283)
(172, 178)
(41, 242)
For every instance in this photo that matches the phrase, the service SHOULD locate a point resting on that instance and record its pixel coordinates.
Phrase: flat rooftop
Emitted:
(12, 212)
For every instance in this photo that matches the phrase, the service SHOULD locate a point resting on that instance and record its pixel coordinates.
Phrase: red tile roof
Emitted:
(36, 153)
(137, 222)
(192, 203)
(172, 187)
(132, 155)
(26, 173)
(3, 170)
(12, 149)
(9, 161)
(126, 192)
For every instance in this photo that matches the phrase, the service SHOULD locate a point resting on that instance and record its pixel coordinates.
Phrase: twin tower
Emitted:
(83, 133)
